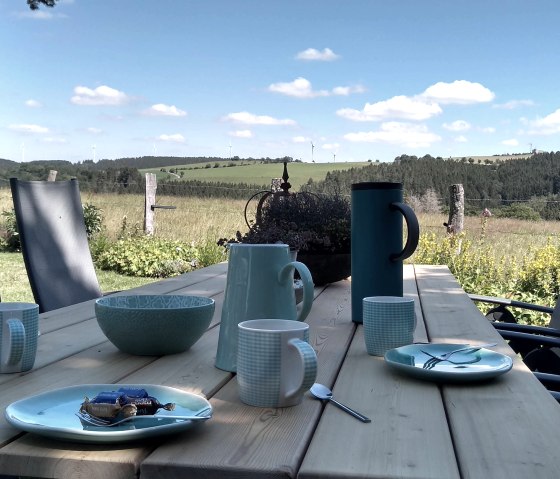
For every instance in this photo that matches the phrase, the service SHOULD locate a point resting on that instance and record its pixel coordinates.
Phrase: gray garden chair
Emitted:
(538, 346)
(54, 242)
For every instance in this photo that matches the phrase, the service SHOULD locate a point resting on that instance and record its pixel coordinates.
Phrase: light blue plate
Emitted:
(475, 366)
(53, 414)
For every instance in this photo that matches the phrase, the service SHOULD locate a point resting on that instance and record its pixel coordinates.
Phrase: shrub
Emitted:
(478, 270)
(148, 256)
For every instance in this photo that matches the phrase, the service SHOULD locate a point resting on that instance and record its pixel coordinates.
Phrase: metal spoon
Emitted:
(324, 393)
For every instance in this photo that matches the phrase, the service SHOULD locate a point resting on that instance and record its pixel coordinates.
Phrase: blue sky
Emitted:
(328, 80)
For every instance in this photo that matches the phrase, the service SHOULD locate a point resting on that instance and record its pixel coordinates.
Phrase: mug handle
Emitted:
(307, 280)
(413, 229)
(17, 341)
(308, 364)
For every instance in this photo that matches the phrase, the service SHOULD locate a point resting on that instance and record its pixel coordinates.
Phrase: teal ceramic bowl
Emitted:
(154, 325)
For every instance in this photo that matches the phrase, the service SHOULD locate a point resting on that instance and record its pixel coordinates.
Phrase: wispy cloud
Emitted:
(302, 88)
(94, 131)
(312, 54)
(160, 109)
(301, 139)
(175, 138)
(27, 128)
(548, 125)
(460, 92)
(102, 95)
(461, 139)
(458, 125)
(33, 103)
(399, 107)
(40, 15)
(330, 146)
(241, 134)
(246, 118)
(513, 104)
(397, 133)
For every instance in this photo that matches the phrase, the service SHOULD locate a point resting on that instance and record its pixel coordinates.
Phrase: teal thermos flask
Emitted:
(377, 241)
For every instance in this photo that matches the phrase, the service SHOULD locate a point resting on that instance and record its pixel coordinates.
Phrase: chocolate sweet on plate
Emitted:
(123, 403)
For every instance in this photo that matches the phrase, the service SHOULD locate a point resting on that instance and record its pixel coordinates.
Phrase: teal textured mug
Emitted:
(259, 284)
(19, 330)
(377, 212)
(275, 364)
(389, 322)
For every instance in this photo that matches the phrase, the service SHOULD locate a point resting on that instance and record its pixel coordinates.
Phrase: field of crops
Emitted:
(250, 172)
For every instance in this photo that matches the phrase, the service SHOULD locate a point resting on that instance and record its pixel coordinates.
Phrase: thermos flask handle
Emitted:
(413, 229)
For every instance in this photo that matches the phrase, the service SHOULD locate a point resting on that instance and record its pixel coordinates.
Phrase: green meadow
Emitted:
(251, 172)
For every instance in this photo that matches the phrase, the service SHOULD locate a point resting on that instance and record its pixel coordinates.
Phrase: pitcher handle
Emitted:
(413, 229)
(306, 279)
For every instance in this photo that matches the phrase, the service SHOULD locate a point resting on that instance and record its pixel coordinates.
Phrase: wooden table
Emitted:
(508, 427)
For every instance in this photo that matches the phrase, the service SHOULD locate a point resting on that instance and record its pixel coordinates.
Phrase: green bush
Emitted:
(518, 211)
(479, 270)
(148, 256)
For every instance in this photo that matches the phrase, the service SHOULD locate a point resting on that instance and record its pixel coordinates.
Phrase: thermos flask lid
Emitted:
(377, 185)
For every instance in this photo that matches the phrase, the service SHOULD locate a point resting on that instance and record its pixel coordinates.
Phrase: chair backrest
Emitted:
(50, 222)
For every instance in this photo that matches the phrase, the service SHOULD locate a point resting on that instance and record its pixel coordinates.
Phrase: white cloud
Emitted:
(548, 125)
(160, 109)
(347, 90)
(512, 142)
(93, 130)
(302, 88)
(176, 138)
(461, 139)
(301, 139)
(26, 128)
(241, 134)
(402, 107)
(488, 129)
(513, 104)
(33, 103)
(326, 55)
(460, 92)
(458, 125)
(247, 118)
(397, 133)
(299, 88)
(102, 95)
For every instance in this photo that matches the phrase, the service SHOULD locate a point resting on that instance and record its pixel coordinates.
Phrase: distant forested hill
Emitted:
(499, 183)
(491, 184)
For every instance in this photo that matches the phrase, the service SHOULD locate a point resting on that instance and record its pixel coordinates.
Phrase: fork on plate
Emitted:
(101, 422)
(437, 358)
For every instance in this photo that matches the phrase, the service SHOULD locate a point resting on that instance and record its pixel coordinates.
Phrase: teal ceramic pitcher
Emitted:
(259, 285)
(377, 211)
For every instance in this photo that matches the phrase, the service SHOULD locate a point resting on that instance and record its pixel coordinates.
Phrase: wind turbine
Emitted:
(93, 150)
(230, 150)
(312, 148)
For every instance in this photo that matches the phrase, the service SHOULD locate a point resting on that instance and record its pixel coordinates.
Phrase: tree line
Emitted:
(494, 185)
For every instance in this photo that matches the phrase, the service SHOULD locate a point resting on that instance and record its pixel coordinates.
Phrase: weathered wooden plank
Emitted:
(243, 441)
(505, 428)
(404, 413)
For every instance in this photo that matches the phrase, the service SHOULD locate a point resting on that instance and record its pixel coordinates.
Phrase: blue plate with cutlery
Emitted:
(446, 362)
(57, 414)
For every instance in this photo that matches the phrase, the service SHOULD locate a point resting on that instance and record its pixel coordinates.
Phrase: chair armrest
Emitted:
(510, 302)
(549, 380)
(532, 338)
(528, 329)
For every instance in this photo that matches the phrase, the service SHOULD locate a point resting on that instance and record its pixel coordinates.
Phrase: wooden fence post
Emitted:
(454, 224)
(151, 186)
